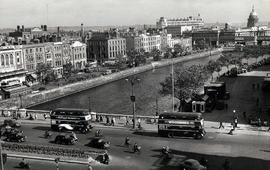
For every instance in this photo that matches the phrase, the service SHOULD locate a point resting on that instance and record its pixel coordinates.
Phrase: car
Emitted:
(64, 139)
(191, 164)
(12, 123)
(15, 137)
(9, 130)
(99, 143)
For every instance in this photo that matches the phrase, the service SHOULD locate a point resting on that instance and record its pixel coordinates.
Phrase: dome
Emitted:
(252, 19)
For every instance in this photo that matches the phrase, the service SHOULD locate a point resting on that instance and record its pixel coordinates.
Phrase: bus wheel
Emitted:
(170, 135)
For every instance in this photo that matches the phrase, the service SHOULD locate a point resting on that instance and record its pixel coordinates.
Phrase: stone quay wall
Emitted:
(49, 95)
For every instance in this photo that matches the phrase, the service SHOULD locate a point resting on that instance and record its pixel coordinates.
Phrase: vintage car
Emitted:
(64, 139)
(9, 130)
(191, 164)
(15, 137)
(99, 143)
(12, 123)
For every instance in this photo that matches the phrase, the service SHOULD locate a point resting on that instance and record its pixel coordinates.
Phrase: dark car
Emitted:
(12, 123)
(15, 137)
(99, 143)
(191, 164)
(9, 130)
(64, 140)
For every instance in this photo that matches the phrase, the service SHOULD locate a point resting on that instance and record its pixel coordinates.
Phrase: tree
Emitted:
(67, 70)
(135, 58)
(120, 62)
(168, 52)
(187, 82)
(212, 66)
(178, 49)
(45, 73)
(156, 54)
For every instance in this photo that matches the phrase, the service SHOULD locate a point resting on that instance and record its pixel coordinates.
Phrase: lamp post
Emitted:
(132, 98)
(1, 156)
(172, 86)
(89, 104)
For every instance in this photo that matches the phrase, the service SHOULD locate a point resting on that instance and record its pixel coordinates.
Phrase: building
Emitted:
(195, 22)
(133, 43)
(102, 47)
(177, 30)
(204, 38)
(150, 42)
(252, 19)
(78, 55)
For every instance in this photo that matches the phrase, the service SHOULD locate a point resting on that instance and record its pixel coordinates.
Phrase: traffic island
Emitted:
(50, 153)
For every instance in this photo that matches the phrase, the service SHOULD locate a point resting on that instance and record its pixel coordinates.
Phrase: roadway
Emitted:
(245, 152)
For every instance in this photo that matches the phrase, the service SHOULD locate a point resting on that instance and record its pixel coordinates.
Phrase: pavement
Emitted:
(210, 126)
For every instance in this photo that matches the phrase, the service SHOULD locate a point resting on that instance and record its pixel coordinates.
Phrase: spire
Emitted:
(253, 8)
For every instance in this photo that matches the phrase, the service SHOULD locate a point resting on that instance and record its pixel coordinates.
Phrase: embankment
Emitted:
(49, 95)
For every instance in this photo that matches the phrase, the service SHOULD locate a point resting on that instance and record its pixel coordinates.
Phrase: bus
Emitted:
(79, 119)
(172, 124)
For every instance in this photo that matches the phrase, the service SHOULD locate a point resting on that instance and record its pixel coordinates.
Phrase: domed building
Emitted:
(252, 19)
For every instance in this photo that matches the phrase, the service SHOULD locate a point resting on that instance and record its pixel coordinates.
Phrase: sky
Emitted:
(124, 12)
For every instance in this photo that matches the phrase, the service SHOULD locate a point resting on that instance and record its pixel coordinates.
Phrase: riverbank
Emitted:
(49, 95)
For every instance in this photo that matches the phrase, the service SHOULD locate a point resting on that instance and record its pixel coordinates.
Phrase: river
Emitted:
(115, 97)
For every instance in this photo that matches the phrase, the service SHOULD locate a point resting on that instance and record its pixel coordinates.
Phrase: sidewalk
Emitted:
(210, 126)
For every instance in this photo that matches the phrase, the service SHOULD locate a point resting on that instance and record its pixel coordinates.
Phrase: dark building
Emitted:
(252, 19)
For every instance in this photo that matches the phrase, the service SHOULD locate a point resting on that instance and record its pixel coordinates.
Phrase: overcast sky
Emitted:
(124, 12)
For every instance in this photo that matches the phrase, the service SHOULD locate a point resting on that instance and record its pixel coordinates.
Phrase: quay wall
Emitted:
(49, 95)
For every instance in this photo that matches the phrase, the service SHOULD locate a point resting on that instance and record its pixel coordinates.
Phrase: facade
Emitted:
(177, 31)
(103, 48)
(133, 43)
(209, 37)
(195, 22)
(78, 55)
(150, 42)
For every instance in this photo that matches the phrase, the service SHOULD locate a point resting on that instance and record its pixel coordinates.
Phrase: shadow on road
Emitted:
(145, 133)
(215, 162)
(42, 128)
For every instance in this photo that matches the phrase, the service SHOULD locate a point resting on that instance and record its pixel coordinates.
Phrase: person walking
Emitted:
(112, 121)
(235, 122)
(127, 121)
(221, 125)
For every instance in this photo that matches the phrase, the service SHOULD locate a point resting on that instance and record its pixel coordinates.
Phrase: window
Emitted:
(11, 59)
(2, 60)
(7, 60)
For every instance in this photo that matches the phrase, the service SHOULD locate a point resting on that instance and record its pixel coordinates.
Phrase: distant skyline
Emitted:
(124, 12)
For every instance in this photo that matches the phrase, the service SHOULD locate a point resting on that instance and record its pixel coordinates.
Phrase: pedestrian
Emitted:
(101, 119)
(221, 125)
(244, 115)
(107, 120)
(36, 116)
(139, 123)
(235, 122)
(45, 116)
(112, 121)
(127, 120)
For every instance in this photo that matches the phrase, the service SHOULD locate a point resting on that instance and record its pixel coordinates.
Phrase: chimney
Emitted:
(22, 28)
(18, 28)
(45, 27)
(58, 31)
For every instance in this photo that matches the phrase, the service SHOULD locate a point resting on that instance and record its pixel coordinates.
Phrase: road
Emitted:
(246, 152)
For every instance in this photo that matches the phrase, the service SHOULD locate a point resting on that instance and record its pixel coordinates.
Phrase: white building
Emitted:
(78, 55)
(150, 42)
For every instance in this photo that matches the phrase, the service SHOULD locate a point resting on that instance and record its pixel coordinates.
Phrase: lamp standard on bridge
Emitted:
(132, 97)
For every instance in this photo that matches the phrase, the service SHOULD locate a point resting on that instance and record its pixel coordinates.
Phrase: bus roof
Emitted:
(70, 109)
(182, 115)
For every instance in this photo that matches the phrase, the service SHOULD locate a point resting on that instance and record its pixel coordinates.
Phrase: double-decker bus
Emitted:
(172, 124)
(77, 118)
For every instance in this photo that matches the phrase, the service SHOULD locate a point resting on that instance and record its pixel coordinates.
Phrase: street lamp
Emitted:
(172, 85)
(1, 156)
(132, 97)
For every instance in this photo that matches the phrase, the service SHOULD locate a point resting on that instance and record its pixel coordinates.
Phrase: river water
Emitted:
(115, 97)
